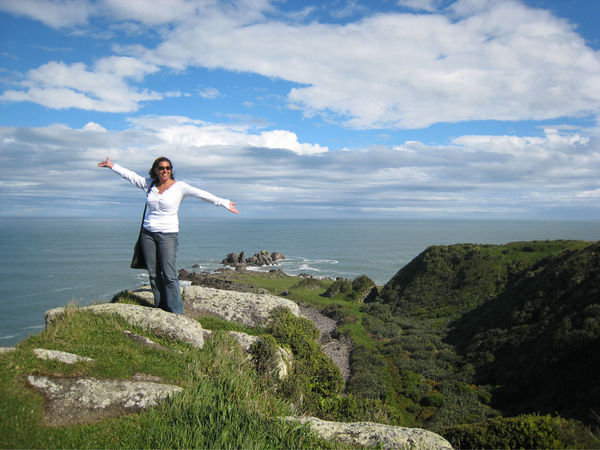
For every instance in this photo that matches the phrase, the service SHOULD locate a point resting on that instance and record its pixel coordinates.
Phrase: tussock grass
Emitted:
(225, 403)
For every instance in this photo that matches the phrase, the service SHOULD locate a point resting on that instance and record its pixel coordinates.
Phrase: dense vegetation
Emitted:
(492, 346)
(226, 402)
(468, 338)
(476, 332)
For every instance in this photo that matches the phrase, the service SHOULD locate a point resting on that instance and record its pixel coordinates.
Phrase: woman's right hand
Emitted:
(108, 163)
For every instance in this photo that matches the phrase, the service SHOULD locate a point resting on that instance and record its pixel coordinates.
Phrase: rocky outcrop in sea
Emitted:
(262, 258)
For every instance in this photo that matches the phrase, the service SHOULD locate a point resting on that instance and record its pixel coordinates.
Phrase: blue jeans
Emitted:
(160, 253)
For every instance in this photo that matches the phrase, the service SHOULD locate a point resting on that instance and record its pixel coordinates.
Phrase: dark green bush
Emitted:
(359, 290)
(526, 431)
(308, 283)
(314, 376)
(264, 354)
(335, 312)
(370, 377)
(339, 286)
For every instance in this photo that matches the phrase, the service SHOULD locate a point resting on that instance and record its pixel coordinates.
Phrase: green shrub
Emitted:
(340, 286)
(362, 288)
(433, 398)
(308, 283)
(314, 375)
(526, 431)
(264, 355)
(370, 377)
(335, 312)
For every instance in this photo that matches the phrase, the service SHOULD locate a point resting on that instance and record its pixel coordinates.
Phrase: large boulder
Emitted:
(249, 309)
(57, 355)
(369, 434)
(82, 400)
(155, 320)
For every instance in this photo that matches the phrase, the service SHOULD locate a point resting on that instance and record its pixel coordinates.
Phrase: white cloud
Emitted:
(270, 170)
(496, 60)
(420, 5)
(154, 13)
(184, 132)
(54, 13)
(93, 126)
(209, 93)
(58, 85)
(504, 62)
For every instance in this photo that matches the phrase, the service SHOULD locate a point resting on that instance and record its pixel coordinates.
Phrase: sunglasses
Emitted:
(161, 168)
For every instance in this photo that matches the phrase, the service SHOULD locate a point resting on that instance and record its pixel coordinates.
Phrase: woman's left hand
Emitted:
(232, 208)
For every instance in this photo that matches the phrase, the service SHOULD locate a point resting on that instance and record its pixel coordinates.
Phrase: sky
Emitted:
(465, 109)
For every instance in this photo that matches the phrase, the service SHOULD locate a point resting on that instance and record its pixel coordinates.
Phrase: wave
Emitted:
(54, 291)
(307, 267)
(8, 336)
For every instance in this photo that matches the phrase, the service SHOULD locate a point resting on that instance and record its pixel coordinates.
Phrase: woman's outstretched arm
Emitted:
(232, 208)
(108, 163)
(135, 179)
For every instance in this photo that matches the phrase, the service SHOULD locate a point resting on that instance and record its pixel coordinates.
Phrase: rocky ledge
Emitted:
(82, 400)
(369, 434)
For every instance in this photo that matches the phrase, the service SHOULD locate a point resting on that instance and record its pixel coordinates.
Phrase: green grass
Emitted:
(404, 371)
(225, 403)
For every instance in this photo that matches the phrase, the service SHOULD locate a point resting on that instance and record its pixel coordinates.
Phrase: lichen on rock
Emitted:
(162, 323)
(82, 400)
(369, 434)
(249, 309)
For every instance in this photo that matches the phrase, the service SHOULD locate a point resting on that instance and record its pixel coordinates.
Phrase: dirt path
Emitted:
(335, 346)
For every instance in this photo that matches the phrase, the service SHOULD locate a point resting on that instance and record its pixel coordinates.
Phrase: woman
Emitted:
(160, 226)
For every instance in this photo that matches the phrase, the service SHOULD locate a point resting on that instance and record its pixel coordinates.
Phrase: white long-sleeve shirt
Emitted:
(162, 209)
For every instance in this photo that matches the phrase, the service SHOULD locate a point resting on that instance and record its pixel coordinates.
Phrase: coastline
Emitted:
(49, 262)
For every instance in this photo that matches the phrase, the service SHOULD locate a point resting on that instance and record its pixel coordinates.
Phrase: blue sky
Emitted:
(390, 108)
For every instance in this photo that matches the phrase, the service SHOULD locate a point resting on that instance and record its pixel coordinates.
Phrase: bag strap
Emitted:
(146, 205)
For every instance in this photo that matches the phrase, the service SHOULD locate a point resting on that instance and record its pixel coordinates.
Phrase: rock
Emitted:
(146, 377)
(7, 349)
(64, 357)
(144, 341)
(232, 259)
(282, 360)
(276, 256)
(368, 434)
(249, 309)
(145, 294)
(262, 258)
(155, 320)
(82, 400)
(205, 279)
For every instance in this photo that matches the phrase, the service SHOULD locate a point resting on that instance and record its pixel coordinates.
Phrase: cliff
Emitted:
(524, 316)
(154, 375)
(480, 344)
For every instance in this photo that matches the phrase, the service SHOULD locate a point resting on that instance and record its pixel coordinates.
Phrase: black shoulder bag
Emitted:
(138, 261)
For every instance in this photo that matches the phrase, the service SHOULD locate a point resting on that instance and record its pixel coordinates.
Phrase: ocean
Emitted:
(50, 262)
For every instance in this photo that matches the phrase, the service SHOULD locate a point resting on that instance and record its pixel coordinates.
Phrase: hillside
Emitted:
(499, 329)
(422, 353)
(490, 346)
(537, 341)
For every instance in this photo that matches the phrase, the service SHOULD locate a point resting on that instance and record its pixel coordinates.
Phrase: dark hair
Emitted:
(155, 164)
